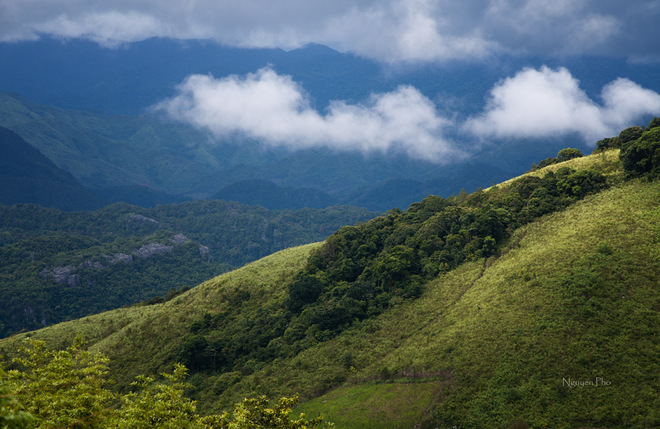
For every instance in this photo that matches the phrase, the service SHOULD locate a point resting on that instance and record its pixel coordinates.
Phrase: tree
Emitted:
(66, 389)
(12, 414)
(259, 413)
(655, 122)
(568, 153)
(306, 289)
(630, 134)
(642, 156)
(607, 143)
(158, 405)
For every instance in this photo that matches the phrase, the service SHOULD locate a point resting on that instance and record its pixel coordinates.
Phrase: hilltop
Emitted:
(531, 304)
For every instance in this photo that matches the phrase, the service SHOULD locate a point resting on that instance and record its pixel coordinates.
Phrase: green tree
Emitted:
(655, 122)
(64, 388)
(259, 413)
(568, 153)
(607, 143)
(630, 134)
(158, 405)
(12, 414)
(642, 156)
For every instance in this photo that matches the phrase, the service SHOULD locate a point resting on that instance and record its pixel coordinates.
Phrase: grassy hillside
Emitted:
(557, 328)
(60, 266)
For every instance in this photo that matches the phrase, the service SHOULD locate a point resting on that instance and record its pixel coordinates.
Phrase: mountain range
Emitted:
(89, 110)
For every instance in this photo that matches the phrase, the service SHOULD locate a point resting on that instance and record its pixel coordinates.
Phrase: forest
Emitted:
(64, 265)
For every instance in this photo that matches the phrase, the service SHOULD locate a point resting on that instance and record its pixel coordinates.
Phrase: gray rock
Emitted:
(119, 258)
(149, 250)
(180, 239)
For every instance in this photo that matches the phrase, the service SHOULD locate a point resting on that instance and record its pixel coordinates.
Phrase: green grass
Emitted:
(507, 331)
(145, 340)
(606, 162)
(377, 406)
(573, 295)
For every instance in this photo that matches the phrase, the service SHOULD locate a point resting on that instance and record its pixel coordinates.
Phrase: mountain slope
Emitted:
(110, 151)
(27, 176)
(557, 329)
(135, 155)
(268, 194)
(59, 266)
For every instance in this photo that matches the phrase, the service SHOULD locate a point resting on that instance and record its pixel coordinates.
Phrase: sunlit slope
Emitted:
(146, 339)
(573, 298)
(559, 329)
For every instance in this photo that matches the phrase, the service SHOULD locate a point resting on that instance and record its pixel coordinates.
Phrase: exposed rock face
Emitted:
(62, 275)
(119, 258)
(205, 253)
(180, 239)
(68, 274)
(140, 218)
(90, 264)
(153, 249)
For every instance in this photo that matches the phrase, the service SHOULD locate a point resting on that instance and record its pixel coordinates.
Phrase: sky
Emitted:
(532, 103)
(386, 30)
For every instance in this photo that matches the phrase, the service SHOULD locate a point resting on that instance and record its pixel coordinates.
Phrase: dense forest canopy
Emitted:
(59, 266)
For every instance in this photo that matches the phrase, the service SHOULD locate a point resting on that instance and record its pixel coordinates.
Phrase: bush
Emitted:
(655, 122)
(58, 389)
(630, 134)
(568, 153)
(642, 156)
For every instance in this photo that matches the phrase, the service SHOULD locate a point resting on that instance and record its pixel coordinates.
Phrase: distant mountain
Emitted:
(85, 107)
(27, 176)
(137, 195)
(136, 158)
(267, 194)
(78, 74)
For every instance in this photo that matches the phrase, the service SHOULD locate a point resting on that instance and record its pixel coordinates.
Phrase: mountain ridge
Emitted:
(27, 176)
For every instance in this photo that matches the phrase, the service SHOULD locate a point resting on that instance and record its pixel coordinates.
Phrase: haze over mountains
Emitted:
(107, 132)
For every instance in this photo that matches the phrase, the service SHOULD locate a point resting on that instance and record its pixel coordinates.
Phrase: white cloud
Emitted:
(107, 28)
(546, 102)
(274, 109)
(387, 30)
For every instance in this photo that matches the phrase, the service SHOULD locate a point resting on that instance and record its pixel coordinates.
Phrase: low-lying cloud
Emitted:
(274, 109)
(533, 104)
(546, 102)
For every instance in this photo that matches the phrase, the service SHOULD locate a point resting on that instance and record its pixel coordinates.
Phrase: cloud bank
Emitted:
(545, 102)
(533, 104)
(386, 30)
(275, 110)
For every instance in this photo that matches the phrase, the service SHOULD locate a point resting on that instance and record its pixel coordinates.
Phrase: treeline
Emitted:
(363, 270)
(58, 266)
(70, 389)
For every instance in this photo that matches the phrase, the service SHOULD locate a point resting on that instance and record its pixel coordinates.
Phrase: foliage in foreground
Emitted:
(68, 388)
